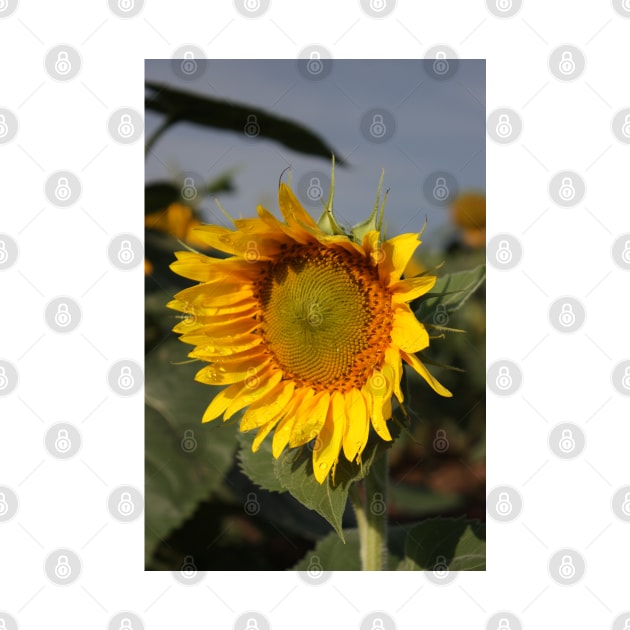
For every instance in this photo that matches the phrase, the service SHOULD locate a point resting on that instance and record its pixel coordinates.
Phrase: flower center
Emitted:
(326, 318)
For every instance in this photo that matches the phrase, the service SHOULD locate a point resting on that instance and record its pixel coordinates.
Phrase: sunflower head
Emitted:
(306, 326)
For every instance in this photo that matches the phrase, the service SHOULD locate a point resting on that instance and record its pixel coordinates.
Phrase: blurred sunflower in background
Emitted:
(307, 326)
(468, 212)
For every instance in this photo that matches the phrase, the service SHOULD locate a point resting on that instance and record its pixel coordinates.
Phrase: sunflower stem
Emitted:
(372, 517)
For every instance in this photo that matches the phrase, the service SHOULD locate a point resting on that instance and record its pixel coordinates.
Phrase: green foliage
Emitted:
(182, 106)
(293, 472)
(456, 543)
(450, 293)
(178, 477)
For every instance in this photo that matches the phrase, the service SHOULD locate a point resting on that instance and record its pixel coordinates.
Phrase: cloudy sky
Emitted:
(433, 125)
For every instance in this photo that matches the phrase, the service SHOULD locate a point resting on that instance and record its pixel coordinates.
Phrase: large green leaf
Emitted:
(260, 466)
(416, 547)
(182, 106)
(179, 474)
(293, 472)
(449, 294)
(457, 543)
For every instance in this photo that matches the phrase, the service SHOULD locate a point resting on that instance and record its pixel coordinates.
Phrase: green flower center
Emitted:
(326, 318)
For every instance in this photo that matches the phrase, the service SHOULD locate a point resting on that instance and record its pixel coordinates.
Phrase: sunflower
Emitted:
(307, 326)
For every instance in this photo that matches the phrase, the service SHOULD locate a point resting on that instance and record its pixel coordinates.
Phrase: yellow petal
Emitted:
(283, 430)
(206, 269)
(419, 367)
(309, 420)
(221, 401)
(232, 373)
(216, 294)
(408, 333)
(377, 391)
(252, 392)
(328, 444)
(262, 411)
(412, 288)
(264, 431)
(396, 253)
(292, 209)
(393, 360)
(357, 425)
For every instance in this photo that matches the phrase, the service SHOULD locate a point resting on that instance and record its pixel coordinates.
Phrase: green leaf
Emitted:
(179, 474)
(260, 466)
(333, 555)
(457, 543)
(182, 106)
(449, 294)
(294, 470)
(461, 542)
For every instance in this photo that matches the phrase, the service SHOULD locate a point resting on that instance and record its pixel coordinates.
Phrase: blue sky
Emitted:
(439, 126)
